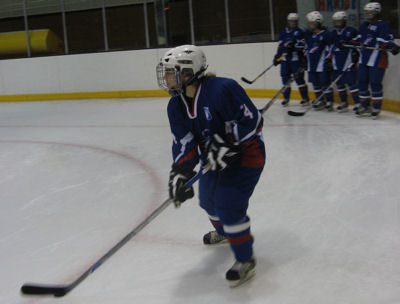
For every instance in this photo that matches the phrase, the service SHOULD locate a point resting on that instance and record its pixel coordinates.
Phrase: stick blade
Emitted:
(293, 113)
(246, 80)
(35, 289)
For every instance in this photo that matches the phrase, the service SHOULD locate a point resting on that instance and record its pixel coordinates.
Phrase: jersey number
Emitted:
(246, 111)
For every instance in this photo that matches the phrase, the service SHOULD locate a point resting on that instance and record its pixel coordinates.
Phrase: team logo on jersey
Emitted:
(207, 113)
(314, 49)
(368, 40)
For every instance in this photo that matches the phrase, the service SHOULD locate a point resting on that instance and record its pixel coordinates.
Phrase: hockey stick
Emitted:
(286, 85)
(294, 113)
(363, 47)
(62, 290)
(262, 73)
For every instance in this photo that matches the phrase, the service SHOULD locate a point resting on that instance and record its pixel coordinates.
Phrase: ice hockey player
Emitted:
(318, 42)
(290, 42)
(342, 59)
(375, 33)
(214, 123)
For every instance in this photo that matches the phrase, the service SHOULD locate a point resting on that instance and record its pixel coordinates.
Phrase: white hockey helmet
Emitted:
(182, 60)
(293, 17)
(315, 16)
(339, 16)
(374, 7)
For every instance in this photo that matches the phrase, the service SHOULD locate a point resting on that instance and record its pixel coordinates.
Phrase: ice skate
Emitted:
(305, 102)
(319, 105)
(356, 106)
(214, 238)
(343, 107)
(329, 106)
(363, 111)
(285, 102)
(375, 113)
(241, 272)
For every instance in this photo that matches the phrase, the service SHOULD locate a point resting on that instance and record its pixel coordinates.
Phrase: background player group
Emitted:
(342, 52)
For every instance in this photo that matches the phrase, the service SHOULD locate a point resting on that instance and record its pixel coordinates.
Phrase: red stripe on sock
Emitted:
(216, 223)
(239, 240)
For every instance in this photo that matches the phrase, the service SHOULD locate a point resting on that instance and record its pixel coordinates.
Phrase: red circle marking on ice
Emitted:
(155, 198)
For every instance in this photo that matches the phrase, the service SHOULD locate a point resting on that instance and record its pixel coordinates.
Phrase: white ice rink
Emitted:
(76, 176)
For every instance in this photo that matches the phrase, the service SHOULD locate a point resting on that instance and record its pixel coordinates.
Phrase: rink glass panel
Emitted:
(249, 23)
(125, 26)
(168, 21)
(85, 31)
(209, 21)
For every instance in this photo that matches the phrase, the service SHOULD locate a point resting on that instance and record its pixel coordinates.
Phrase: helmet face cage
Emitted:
(373, 8)
(339, 19)
(162, 72)
(316, 18)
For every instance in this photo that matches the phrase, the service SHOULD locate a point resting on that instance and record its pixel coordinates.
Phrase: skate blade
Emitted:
(225, 241)
(248, 277)
(363, 115)
(305, 104)
(343, 110)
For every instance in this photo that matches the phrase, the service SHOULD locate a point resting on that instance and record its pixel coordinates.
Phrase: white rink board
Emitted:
(79, 175)
(135, 70)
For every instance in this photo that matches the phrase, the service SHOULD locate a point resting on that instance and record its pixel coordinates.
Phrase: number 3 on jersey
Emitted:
(246, 111)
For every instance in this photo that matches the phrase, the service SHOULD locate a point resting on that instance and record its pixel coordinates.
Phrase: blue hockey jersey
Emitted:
(318, 47)
(287, 37)
(376, 35)
(342, 58)
(219, 106)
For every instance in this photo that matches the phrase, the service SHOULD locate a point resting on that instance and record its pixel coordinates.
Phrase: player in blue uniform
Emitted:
(342, 59)
(375, 33)
(318, 44)
(290, 42)
(214, 123)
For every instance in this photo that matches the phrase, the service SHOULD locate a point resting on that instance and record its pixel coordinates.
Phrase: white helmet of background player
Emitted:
(292, 20)
(186, 61)
(372, 10)
(315, 17)
(339, 19)
(315, 20)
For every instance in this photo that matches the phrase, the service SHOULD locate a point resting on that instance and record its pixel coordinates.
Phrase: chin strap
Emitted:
(182, 90)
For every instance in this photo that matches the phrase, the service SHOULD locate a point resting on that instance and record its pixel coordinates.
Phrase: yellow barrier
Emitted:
(388, 104)
(41, 41)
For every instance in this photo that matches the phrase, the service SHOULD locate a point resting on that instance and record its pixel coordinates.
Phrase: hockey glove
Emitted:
(277, 59)
(328, 65)
(221, 153)
(355, 56)
(340, 45)
(395, 49)
(178, 177)
(290, 49)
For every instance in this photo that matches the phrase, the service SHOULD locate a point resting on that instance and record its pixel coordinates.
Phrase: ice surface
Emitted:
(76, 176)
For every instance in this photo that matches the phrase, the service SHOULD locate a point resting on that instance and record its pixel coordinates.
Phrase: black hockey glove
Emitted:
(221, 153)
(328, 65)
(395, 49)
(341, 44)
(277, 59)
(355, 56)
(290, 49)
(178, 177)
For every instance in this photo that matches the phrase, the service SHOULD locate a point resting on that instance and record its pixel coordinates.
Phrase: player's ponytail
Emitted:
(210, 74)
